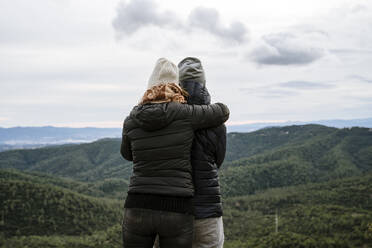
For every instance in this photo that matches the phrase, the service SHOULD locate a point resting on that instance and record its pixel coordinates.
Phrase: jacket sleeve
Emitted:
(221, 145)
(207, 116)
(125, 148)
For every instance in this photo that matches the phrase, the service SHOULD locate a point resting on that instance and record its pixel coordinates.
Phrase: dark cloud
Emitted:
(209, 20)
(136, 14)
(140, 13)
(305, 85)
(285, 49)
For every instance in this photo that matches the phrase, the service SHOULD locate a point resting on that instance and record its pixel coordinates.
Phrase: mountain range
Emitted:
(315, 180)
(35, 137)
(338, 123)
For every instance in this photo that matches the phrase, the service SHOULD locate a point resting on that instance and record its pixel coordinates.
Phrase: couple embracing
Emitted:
(177, 141)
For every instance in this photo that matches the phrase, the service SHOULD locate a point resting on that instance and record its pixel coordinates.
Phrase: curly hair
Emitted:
(169, 92)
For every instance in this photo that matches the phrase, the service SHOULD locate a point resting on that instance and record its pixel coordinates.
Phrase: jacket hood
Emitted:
(191, 68)
(151, 117)
(192, 79)
(198, 93)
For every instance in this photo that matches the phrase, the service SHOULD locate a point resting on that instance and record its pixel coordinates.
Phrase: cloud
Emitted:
(348, 27)
(286, 49)
(342, 33)
(141, 13)
(286, 89)
(53, 22)
(305, 85)
(359, 8)
(269, 91)
(209, 20)
(361, 78)
(137, 14)
(350, 51)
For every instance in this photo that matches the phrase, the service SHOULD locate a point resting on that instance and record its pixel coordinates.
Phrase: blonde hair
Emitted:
(169, 92)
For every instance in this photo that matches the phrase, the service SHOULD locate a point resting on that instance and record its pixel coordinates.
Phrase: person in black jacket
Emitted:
(207, 155)
(157, 137)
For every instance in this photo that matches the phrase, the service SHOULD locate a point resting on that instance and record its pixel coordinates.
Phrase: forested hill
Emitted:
(85, 162)
(240, 145)
(317, 154)
(41, 209)
(271, 157)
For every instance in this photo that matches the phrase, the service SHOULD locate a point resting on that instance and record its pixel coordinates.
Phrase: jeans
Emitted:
(140, 226)
(208, 233)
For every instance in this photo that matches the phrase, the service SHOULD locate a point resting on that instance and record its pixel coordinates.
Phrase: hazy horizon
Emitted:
(229, 124)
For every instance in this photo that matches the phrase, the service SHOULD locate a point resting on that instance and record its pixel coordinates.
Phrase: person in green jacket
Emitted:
(157, 137)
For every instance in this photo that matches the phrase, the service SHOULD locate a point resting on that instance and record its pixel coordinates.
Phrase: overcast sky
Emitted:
(86, 62)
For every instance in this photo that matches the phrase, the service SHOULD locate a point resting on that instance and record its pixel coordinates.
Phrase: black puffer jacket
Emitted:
(158, 139)
(209, 146)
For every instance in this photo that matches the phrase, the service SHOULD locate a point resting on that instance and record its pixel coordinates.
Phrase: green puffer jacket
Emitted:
(158, 139)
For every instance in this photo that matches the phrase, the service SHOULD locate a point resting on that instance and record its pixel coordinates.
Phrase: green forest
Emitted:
(294, 186)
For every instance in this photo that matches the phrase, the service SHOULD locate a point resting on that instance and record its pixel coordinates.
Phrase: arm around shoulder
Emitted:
(206, 116)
